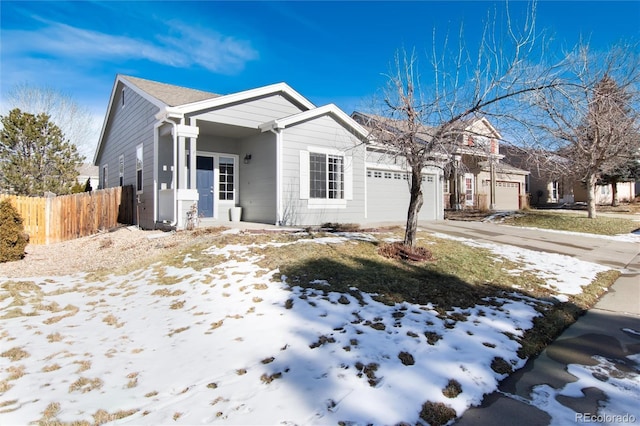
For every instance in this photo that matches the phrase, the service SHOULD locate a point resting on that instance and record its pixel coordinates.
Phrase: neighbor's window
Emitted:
(139, 156)
(226, 166)
(326, 176)
(121, 170)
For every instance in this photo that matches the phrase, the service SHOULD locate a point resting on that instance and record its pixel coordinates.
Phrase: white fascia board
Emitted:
(329, 109)
(121, 79)
(246, 96)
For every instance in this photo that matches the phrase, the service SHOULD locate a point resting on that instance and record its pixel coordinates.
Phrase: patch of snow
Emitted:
(229, 344)
(622, 389)
(563, 274)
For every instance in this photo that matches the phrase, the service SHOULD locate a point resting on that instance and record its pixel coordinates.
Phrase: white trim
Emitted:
(327, 203)
(323, 203)
(330, 109)
(217, 202)
(244, 96)
(473, 189)
(279, 177)
(304, 175)
(141, 146)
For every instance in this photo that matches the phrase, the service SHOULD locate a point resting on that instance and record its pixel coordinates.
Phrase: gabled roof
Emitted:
(168, 94)
(330, 109)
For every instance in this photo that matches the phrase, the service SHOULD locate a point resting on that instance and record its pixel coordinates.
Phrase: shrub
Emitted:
(13, 239)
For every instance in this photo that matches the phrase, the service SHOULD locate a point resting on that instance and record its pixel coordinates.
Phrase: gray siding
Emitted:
(258, 192)
(218, 144)
(129, 125)
(321, 132)
(252, 113)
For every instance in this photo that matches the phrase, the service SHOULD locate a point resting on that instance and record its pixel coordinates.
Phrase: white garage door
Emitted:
(507, 196)
(388, 196)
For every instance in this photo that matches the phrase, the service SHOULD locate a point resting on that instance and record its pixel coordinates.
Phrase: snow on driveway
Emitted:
(230, 345)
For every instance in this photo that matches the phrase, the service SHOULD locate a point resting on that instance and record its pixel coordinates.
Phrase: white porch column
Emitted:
(185, 197)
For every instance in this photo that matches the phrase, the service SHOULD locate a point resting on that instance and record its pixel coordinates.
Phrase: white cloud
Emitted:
(183, 47)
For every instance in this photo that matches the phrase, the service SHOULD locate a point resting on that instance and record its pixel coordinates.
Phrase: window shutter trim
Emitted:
(304, 175)
(348, 177)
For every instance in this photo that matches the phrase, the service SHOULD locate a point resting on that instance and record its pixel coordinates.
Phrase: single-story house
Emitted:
(265, 155)
(477, 178)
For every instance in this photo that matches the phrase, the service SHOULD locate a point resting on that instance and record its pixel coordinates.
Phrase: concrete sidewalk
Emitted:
(603, 331)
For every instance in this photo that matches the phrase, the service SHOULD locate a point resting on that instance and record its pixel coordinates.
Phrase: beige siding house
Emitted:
(263, 155)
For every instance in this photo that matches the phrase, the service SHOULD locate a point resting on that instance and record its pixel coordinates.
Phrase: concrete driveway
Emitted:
(610, 329)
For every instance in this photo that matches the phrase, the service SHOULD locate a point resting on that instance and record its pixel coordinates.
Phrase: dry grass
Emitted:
(71, 311)
(178, 304)
(406, 358)
(572, 222)
(15, 354)
(164, 292)
(453, 389)
(101, 416)
(15, 372)
(85, 385)
(437, 413)
(133, 380)
(178, 330)
(54, 337)
(112, 320)
(50, 368)
(83, 366)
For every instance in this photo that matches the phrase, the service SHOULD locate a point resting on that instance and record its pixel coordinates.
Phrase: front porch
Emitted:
(217, 173)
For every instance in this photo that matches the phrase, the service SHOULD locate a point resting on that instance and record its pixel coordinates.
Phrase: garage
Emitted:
(388, 196)
(507, 195)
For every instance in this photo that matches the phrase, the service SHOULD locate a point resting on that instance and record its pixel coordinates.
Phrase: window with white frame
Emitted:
(226, 183)
(554, 190)
(377, 175)
(139, 167)
(121, 170)
(326, 176)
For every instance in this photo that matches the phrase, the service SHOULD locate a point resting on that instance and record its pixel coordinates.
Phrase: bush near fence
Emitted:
(54, 219)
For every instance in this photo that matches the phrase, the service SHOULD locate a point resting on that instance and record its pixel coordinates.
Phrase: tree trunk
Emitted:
(591, 195)
(614, 193)
(415, 204)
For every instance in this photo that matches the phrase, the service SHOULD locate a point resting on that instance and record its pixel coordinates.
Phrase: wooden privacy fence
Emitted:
(53, 219)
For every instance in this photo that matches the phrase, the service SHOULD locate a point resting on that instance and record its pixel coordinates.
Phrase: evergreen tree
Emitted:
(35, 157)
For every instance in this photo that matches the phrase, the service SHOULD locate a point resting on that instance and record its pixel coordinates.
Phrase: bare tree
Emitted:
(593, 120)
(76, 122)
(423, 123)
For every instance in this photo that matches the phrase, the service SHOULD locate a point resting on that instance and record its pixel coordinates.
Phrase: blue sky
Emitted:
(328, 51)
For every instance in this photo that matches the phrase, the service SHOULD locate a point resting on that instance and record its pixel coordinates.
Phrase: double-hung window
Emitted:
(325, 178)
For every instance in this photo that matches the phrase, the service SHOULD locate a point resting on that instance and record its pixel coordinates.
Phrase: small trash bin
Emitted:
(235, 213)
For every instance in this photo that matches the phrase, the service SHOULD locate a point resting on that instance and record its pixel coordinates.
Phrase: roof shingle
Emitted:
(169, 94)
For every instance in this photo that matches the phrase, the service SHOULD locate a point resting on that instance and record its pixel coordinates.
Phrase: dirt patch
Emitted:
(113, 251)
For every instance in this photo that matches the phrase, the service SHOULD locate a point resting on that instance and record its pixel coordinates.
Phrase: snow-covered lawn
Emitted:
(229, 344)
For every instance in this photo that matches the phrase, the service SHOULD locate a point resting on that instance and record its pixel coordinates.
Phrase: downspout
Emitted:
(276, 131)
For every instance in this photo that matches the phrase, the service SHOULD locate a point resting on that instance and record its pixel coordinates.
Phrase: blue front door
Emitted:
(204, 184)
